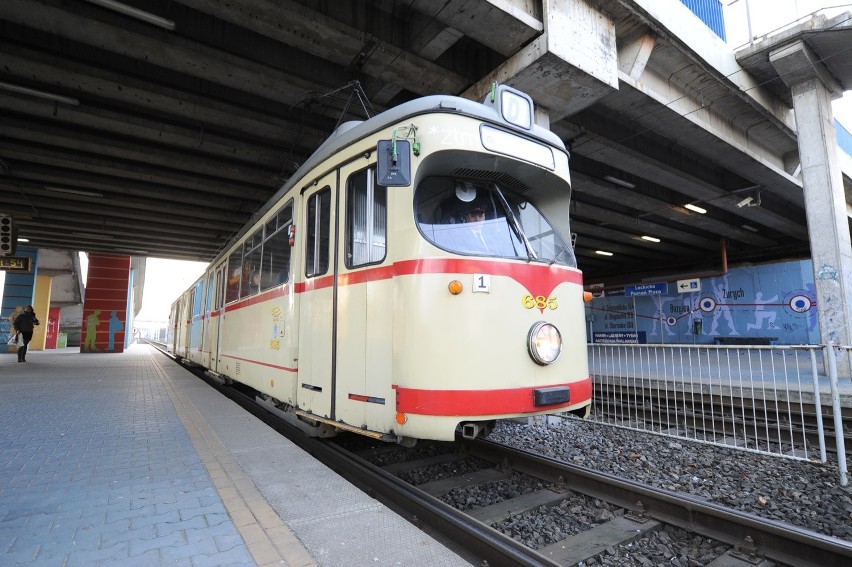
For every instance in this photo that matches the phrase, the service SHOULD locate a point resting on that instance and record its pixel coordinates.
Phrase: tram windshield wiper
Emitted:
(516, 225)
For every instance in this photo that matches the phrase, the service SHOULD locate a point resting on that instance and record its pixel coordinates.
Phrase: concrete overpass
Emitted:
(159, 129)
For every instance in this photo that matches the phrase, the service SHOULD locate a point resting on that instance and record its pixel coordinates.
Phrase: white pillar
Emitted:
(828, 226)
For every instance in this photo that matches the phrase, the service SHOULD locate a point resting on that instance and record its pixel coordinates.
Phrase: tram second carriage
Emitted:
(410, 279)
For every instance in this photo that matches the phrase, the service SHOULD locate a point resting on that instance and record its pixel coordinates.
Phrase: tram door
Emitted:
(316, 230)
(364, 313)
(216, 316)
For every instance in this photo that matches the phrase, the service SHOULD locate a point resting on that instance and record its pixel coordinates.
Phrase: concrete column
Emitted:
(831, 249)
(105, 307)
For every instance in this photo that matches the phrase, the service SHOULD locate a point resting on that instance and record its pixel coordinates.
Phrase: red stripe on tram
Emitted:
(483, 402)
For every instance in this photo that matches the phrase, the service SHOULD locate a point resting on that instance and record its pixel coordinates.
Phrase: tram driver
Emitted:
(473, 239)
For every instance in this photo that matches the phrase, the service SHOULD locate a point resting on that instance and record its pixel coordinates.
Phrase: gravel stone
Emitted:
(802, 493)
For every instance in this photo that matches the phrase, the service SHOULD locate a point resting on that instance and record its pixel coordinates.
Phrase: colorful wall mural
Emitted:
(105, 306)
(773, 302)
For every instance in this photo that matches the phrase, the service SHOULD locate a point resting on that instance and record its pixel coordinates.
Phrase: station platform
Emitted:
(128, 459)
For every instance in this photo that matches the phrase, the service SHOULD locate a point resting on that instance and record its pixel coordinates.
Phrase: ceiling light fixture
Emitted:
(750, 228)
(70, 191)
(695, 208)
(147, 17)
(618, 181)
(23, 240)
(650, 239)
(38, 94)
(603, 252)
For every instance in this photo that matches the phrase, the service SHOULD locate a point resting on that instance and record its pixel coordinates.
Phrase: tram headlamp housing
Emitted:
(544, 343)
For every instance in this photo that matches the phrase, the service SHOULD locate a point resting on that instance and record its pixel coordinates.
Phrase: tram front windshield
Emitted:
(485, 219)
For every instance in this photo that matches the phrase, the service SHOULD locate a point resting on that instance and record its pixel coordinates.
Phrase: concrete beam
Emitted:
(643, 225)
(153, 155)
(518, 21)
(642, 157)
(39, 174)
(111, 211)
(159, 47)
(189, 212)
(797, 63)
(184, 107)
(654, 106)
(616, 235)
(147, 128)
(567, 69)
(127, 170)
(595, 187)
(308, 30)
(634, 53)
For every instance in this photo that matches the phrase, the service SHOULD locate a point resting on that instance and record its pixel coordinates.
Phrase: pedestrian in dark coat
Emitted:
(25, 325)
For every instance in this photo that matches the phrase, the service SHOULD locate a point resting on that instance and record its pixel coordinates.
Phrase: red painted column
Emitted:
(52, 331)
(105, 307)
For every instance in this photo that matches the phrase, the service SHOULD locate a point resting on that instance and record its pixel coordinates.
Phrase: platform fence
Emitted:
(767, 399)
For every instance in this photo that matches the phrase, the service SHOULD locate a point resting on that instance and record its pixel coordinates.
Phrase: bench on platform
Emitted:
(745, 340)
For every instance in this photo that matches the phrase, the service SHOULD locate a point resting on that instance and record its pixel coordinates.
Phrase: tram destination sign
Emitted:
(15, 263)
(646, 289)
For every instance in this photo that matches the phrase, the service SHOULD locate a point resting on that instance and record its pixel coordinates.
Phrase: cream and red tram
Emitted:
(362, 300)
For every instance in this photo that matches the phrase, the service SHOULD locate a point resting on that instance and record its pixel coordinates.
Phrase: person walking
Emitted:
(25, 325)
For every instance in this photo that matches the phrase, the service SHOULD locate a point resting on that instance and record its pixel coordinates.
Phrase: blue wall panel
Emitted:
(710, 12)
(18, 290)
(770, 300)
(844, 138)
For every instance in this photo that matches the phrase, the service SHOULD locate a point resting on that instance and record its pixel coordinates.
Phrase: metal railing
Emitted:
(768, 399)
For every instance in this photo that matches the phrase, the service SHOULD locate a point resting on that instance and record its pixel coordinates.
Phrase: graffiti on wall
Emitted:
(773, 301)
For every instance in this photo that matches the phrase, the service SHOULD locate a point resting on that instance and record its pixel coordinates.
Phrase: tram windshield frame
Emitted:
(484, 218)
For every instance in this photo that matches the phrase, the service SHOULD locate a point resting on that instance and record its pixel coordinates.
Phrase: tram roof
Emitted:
(352, 131)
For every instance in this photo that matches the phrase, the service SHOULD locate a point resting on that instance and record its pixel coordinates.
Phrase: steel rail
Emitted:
(778, 541)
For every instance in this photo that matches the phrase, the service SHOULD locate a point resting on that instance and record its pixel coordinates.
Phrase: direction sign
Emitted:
(685, 286)
(646, 289)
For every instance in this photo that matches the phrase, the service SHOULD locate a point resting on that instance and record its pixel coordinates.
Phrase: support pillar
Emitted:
(17, 293)
(105, 307)
(813, 88)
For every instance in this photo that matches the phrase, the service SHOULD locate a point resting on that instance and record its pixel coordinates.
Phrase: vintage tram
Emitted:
(410, 280)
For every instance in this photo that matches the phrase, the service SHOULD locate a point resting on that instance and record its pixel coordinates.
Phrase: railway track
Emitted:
(390, 473)
(641, 509)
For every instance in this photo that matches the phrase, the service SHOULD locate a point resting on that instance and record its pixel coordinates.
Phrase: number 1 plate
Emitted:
(481, 283)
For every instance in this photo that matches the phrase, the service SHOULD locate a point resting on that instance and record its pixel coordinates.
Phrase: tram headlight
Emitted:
(544, 343)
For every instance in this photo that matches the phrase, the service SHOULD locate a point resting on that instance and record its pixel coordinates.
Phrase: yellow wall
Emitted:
(41, 306)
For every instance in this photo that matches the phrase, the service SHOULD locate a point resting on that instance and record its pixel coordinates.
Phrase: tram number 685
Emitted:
(539, 301)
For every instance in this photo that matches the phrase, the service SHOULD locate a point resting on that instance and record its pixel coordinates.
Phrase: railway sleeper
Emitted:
(619, 531)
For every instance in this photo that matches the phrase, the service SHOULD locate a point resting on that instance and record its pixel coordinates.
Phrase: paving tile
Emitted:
(107, 471)
(113, 555)
(236, 557)
(140, 546)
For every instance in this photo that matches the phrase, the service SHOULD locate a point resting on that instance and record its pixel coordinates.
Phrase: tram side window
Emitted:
(220, 287)
(235, 270)
(251, 264)
(208, 303)
(317, 233)
(198, 298)
(366, 224)
(276, 250)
